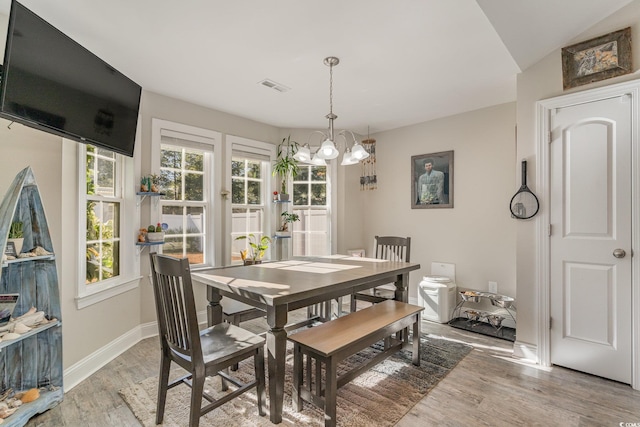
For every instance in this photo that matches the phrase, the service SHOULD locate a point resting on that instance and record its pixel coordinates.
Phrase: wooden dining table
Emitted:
(282, 286)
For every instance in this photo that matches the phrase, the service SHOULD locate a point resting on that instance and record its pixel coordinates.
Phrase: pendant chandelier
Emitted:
(328, 150)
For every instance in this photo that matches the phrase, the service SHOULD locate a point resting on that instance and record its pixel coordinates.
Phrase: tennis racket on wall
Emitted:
(524, 204)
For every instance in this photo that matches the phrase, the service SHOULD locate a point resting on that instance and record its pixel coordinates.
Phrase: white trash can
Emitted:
(437, 294)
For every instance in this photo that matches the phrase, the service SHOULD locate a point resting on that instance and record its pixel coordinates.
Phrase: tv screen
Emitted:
(52, 83)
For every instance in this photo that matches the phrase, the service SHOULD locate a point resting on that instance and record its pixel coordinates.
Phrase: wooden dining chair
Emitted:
(391, 248)
(202, 353)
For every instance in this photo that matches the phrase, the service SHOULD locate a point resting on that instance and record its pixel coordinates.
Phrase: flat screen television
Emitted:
(51, 83)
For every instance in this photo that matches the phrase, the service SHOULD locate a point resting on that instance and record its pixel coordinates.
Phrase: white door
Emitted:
(590, 242)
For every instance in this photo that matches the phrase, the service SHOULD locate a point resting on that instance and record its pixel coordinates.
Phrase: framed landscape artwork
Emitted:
(432, 180)
(597, 59)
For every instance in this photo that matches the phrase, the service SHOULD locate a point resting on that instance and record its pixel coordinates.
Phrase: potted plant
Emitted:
(16, 235)
(257, 247)
(285, 165)
(287, 218)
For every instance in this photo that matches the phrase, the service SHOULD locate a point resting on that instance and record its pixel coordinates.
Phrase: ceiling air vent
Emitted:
(275, 86)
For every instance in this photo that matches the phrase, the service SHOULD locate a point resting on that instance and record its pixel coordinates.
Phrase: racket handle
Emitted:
(524, 172)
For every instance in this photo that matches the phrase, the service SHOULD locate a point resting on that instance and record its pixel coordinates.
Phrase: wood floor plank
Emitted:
(487, 388)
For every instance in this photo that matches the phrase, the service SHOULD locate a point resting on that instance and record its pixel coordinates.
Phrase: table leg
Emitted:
(214, 309)
(402, 288)
(402, 294)
(277, 350)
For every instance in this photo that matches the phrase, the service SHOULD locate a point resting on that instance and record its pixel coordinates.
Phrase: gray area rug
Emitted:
(379, 397)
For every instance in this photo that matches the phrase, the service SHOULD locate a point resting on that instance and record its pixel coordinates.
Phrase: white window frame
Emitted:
(128, 279)
(330, 168)
(261, 149)
(210, 141)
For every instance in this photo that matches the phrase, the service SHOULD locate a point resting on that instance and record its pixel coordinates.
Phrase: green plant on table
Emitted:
(257, 246)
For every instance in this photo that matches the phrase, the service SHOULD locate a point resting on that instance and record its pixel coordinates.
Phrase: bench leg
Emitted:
(297, 378)
(416, 341)
(330, 393)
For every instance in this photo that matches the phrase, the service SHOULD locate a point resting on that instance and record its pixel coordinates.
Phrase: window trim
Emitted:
(199, 136)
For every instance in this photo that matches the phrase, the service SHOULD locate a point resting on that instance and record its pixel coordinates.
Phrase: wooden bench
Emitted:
(338, 339)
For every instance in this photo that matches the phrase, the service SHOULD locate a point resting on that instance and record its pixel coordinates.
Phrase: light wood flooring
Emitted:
(487, 388)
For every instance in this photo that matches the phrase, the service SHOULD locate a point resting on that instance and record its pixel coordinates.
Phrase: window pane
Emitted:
(193, 186)
(237, 191)
(300, 194)
(106, 153)
(172, 184)
(110, 259)
(195, 220)
(106, 178)
(253, 169)
(171, 158)
(93, 220)
(318, 173)
(318, 194)
(254, 189)
(93, 263)
(110, 220)
(194, 161)
(173, 247)
(303, 174)
(91, 162)
(237, 167)
(194, 250)
(172, 216)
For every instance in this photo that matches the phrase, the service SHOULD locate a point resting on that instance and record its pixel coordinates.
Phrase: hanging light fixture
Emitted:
(328, 149)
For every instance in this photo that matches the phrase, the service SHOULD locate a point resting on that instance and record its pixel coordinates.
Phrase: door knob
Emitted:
(619, 253)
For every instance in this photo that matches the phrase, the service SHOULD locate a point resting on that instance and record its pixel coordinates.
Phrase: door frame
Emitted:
(544, 109)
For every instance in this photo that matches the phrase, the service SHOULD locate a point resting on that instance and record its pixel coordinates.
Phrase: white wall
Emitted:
(477, 234)
(540, 81)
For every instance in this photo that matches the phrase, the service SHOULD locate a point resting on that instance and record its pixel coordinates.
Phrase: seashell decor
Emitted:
(23, 324)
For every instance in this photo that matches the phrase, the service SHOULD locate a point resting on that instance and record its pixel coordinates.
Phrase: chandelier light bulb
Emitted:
(348, 159)
(358, 152)
(317, 161)
(328, 150)
(303, 154)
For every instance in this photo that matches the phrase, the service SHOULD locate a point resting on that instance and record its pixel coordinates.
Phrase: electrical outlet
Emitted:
(493, 287)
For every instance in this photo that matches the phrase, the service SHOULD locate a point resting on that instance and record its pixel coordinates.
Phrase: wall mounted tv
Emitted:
(51, 83)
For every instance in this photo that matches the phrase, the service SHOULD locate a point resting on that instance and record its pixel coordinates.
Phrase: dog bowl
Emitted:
(501, 301)
(470, 296)
(495, 320)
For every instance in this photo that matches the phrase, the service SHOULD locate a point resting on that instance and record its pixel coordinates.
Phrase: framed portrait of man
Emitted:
(432, 180)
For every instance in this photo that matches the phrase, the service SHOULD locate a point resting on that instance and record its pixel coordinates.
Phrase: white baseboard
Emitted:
(81, 370)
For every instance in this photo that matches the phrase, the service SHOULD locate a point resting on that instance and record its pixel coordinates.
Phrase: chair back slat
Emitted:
(175, 304)
(393, 248)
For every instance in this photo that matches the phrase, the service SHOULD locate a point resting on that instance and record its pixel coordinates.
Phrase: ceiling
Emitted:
(401, 62)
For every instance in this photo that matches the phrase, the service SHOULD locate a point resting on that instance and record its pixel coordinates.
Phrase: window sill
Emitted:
(83, 301)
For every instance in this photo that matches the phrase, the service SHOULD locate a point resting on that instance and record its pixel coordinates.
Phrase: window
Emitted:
(311, 234)
(186, 160)
(185, 204)
(248, 195)
(106, 213)
(249, 181)
(103, 213)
